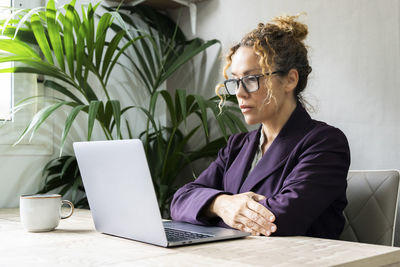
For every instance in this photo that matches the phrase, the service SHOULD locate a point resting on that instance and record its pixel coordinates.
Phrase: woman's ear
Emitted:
(292, 78)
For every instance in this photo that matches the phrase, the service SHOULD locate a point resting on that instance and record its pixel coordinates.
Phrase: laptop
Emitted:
(122, 199)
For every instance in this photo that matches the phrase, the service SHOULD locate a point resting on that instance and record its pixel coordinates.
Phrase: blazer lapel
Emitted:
(292, 132)
(241, 165)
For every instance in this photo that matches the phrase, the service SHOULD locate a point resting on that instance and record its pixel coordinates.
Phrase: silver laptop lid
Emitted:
(116, 177)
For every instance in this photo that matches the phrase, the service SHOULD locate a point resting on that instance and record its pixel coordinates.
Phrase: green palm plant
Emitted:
(75, 48)
(158, 57)
(167, 151)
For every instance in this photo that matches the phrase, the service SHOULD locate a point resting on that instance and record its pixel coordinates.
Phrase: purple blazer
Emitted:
(302, 175)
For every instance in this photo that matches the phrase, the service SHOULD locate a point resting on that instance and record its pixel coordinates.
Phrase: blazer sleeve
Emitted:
(315, 182)
(189, 201)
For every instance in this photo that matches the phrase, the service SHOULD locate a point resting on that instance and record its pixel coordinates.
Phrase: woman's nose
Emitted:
(241, 92)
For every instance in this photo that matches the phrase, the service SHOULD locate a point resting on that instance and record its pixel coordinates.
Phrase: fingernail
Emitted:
(268, 233)
(273, 228)
(271, 218)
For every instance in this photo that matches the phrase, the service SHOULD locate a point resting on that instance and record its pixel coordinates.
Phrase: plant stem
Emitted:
(106, 132)
(146, 145)
(103, 86)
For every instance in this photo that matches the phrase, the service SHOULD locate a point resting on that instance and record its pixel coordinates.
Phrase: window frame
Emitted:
(25, 85)
(11, 77)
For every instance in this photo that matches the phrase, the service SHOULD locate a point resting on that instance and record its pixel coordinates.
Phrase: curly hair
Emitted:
(279, 44)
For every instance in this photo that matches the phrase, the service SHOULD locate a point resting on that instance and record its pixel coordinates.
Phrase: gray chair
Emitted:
(372, 214)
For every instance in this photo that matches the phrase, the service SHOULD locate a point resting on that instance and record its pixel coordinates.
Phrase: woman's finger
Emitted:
(255, 227)
(268, 226)
(237, 225)
(260, 209)
(258, 197)
(248, 230)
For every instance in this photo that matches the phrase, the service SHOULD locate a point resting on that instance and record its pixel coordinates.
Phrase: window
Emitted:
(5, 78)
(14, 88)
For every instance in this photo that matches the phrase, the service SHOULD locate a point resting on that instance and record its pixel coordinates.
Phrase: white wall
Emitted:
(354, 51)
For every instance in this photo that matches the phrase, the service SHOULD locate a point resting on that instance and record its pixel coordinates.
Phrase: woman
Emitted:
(289, 176)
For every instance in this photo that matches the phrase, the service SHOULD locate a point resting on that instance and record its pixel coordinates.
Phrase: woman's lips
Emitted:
(245, 108)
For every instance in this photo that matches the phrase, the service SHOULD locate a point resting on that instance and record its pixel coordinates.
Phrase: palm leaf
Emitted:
(153, 102)
(54, 33)
(39, 118)
(116, 16)
(102, 26)
(18, 48)
(9, 19)
(86, 31)
(202, 106)
(142, 63)
(24, 19)
(220, 121)
(117, 115)
(110, 51)
(38, 67)
(231, 125)
(180, 101)
(69, 36)
(41, 38)
(68, 123)
(128, 127)
(115, 60)
(88, 91)
(24, 35)
(147, 52)
(187, 55)
(240, 125)
(108, 114)
(208, 150)
(175, 162)
(170, 105)
(66, 166)
(93, 109)
(61, 89)
(81, 58)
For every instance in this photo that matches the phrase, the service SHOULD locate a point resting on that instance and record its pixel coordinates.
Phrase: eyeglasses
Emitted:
(251, 83)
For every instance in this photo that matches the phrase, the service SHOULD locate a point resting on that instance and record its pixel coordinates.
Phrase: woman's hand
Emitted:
(243, 212)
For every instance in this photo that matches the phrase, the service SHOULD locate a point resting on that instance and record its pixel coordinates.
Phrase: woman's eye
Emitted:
(250, 79)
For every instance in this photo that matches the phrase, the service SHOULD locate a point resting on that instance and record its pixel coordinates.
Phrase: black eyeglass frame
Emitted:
(240, 80)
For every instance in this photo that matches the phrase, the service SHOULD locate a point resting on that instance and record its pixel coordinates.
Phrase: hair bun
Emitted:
(291, 25)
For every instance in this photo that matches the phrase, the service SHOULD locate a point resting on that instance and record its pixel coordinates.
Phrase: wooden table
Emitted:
(76, 243)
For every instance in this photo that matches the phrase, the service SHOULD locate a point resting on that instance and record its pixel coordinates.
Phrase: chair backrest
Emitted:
(373, 213)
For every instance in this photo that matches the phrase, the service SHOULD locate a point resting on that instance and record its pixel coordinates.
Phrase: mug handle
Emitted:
(69, 203)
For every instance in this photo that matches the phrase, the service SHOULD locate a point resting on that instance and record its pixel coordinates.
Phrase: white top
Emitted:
(258, 155)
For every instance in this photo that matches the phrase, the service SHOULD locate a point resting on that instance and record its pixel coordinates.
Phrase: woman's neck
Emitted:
(271, 128)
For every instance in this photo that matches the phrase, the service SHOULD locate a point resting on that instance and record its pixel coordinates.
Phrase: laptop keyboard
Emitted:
(179, 235)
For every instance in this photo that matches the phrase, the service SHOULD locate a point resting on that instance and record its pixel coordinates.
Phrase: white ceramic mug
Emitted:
(42, 213)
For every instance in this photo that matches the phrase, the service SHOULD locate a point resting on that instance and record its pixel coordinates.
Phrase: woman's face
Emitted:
(255, 106)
